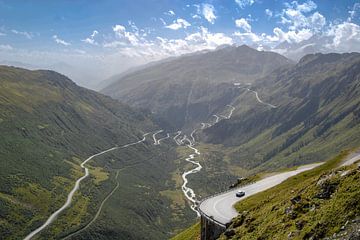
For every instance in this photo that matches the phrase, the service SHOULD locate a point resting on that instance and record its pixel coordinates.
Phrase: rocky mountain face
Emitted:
(190, 88)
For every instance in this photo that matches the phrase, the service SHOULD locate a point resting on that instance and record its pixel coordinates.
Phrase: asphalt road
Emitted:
(221, 208)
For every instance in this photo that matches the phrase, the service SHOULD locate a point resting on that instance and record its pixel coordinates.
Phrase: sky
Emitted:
(92, 40)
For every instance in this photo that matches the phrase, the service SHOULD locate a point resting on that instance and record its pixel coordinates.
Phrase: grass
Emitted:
(98, 174)
(48, 127)
(262, 216)
(192, 233)
(271, 214)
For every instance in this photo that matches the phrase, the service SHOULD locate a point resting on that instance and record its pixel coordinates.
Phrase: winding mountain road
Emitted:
(98, 212)
(188, 192)
(70, 196)
(156, 142)
(238, 85)
(220, 207)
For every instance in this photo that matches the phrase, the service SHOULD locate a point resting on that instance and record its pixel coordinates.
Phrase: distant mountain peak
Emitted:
(325, 57)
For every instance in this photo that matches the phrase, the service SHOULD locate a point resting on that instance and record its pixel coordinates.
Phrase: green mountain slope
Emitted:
(317, 114)
(48, 127)
(322, 203)
(191, 88)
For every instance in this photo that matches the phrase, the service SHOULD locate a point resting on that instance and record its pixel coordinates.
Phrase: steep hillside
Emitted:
(48, 127)
(324, 202)
(314, 113)
(190, 88)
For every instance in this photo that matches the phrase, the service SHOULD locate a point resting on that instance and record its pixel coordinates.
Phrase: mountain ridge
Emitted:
(193, 81)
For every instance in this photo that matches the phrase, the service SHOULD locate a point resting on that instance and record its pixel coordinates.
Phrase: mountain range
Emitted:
(249, 113)
(187, 89)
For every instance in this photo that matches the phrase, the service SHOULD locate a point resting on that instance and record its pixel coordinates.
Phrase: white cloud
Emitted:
(291, 36)
(119, 30)
(268, 13)
(299, 16)
(163, 47)
(242, 23)
(2, 34)
(354, 12)
(346, 37)
(196, 16)
(208, 12)
(60, 41)
(305, 7)
(162, 21)
(179, 23)
(133, 27)
(170, 13)
(122, 34)
(94, 33)
(91, 40)
(198, 8)
(317, 21)
(25, 34)
(248, 37)
(244, 3)
(207, 39)
(6, 47)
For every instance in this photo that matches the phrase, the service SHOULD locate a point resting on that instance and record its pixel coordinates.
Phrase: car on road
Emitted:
(240, 194)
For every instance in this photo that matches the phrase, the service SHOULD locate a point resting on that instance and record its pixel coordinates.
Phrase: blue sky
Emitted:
(121, 34)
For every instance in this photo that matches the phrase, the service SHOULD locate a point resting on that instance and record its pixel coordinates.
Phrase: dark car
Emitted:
(240, 194)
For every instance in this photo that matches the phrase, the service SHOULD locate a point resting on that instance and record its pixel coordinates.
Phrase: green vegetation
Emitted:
(313, 204)
(192, 233)
(48, 127)
(316, 203)
(190, 89)
(317, 115)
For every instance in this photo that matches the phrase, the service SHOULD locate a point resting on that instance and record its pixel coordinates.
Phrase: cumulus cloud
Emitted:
(346, 37)
(28, 35)
(125, 36)
(206, 39)
(178, 23)
(243, 23)
(60, 41)
(163, 47)
(298, 16)
(91, 40)
(208, 11)
(244, 3)
(289, 36)
(317, 21)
